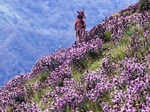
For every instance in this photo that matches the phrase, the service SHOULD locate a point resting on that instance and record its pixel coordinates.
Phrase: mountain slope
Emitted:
(108, 73)
(30, 30)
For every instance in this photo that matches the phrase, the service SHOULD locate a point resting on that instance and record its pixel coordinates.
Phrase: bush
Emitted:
(130, 31)
(119, 52)
(79, 64)
(107, 36)
(144, 5)
(19, 98)
(93, 54)
(107, 65)
(43, 78)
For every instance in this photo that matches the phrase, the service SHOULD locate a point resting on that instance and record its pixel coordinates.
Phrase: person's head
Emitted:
(81, 14)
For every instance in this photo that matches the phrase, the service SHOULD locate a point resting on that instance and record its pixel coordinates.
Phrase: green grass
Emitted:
(68, 109)
(133, 29)
(76, 74)
(44, 76)
(143, 5)
(107, 35)
(91, 62)
(91, 106)
(38, 96)
(91, 66)
(118, 53)
(144, 47)
(95, 64)
(9, 109)
(40, 77)
(130, 31)
(128, 12)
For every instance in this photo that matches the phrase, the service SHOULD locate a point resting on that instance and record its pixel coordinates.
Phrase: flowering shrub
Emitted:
(96, 85)
(107, 66)
(132, 69)
(108, 36)
(144, 5)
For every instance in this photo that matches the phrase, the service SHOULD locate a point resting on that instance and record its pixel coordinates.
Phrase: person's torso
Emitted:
(80, 24)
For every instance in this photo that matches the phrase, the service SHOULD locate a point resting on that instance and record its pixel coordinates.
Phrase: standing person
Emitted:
(80, 26)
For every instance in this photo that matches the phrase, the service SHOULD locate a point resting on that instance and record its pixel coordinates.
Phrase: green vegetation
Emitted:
(76, 74)
(90, 106)
(95, 64)
(119, 52)
(127, 12)
(107, 35)
(90, 62)
(36, 96)
(10, 109)
(144, 5)
(137, 36)
(44, 76)
(40, 77)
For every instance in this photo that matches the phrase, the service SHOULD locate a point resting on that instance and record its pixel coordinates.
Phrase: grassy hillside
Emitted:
(108, 73)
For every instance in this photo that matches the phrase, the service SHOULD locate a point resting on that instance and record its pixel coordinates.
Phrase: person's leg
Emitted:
(83, 35)
(78, 36)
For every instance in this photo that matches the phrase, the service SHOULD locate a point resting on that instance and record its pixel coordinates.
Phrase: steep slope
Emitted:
(30, 30)
(108, 73)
